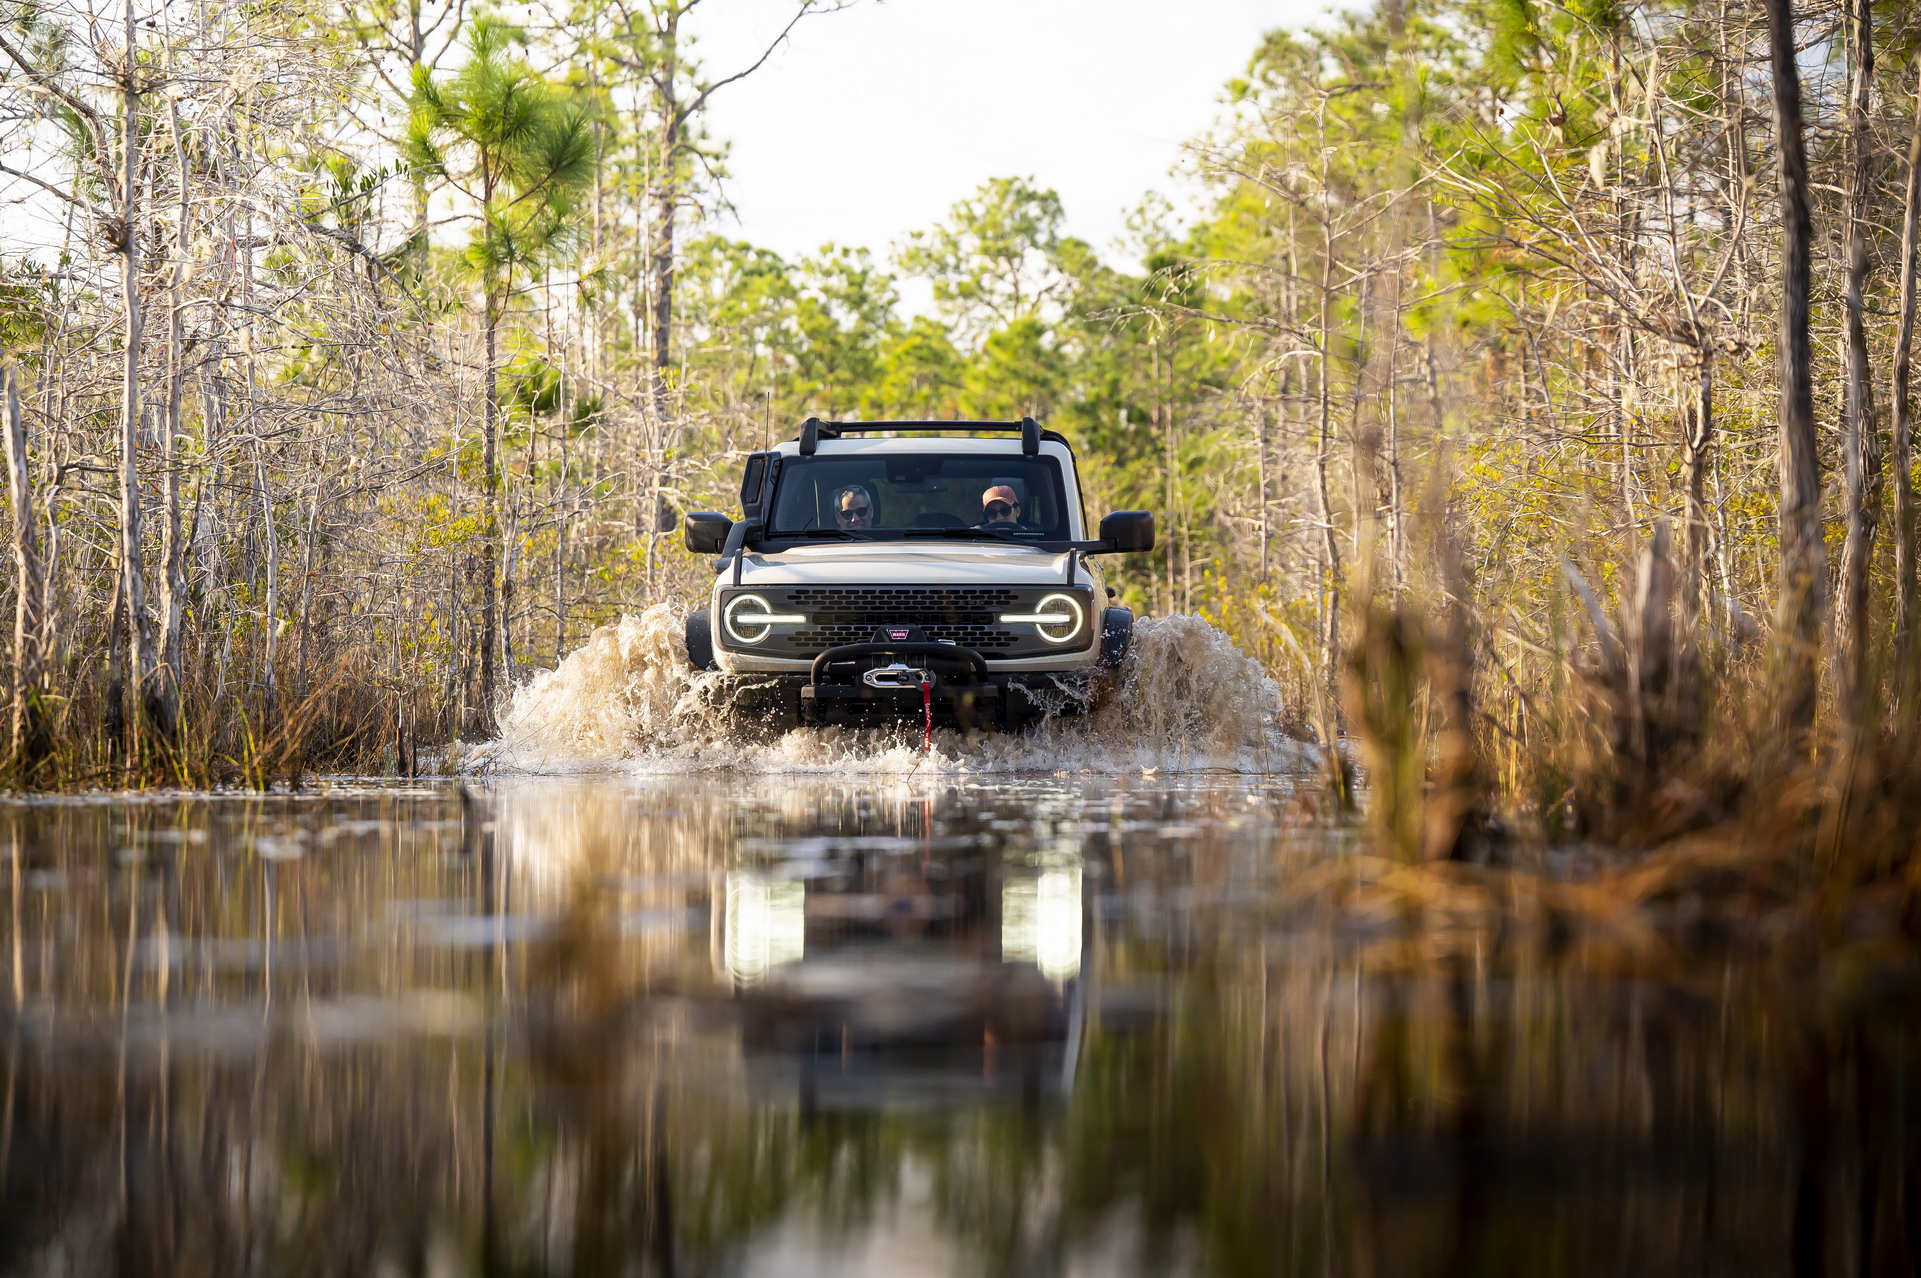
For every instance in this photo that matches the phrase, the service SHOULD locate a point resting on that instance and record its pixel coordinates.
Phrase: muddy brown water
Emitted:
(906, 1024)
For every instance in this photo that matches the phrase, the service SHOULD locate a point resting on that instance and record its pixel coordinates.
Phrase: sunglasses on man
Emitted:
(856, 512)
(1002, 508)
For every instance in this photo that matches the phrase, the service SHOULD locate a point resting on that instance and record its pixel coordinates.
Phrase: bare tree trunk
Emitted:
(510, 545)
(1260, 477)
(560, 533)
(1697, 417)
(1858, 439)
(1396, 514)
(270, 661)
(303, 684)
(1451, 813)
(152, 710)
(666, 212)
(1164, 429)
(483, 712)
(1899, 440)
(114, 724)
(455, 691)
(1734, 181)
(213, 417)
(1622, 372)
(29, 743)
(1803, 574)
(1157, 431)
(1323, 508)
(173, 574)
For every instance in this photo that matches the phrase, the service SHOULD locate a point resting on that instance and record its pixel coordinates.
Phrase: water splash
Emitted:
(627, 699)
(629, 689)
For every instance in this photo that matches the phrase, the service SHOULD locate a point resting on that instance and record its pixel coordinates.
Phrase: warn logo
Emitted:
(899, 633)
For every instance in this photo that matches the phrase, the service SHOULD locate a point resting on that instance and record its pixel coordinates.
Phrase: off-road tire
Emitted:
(1117, 631)
(761, 710)
(700, 641)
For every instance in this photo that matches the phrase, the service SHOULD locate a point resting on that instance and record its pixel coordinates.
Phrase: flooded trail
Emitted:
(885, 1024)
(626, 699)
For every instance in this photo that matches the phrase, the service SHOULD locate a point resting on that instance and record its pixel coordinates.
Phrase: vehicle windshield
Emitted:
(897, 495)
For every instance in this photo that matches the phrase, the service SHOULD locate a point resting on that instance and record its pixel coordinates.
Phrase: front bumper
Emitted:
(1007, 702)
(963, 692)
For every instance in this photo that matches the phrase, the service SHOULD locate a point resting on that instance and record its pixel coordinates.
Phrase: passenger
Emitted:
(1000, 508)
(854, 508)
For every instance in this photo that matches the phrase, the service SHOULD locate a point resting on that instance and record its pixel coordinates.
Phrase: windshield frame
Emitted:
(1056, 471)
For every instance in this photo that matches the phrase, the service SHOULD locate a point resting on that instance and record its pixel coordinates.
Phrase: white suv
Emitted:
(886, 570)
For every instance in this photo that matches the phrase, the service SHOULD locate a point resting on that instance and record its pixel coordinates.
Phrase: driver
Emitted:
(853, 508)
(1000, 508)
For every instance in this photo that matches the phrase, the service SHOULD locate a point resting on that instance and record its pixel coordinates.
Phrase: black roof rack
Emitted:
(813, 430)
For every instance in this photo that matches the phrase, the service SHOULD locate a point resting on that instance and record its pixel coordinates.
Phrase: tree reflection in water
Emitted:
(716, 1026)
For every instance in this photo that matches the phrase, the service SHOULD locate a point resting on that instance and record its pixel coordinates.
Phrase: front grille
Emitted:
(937, 599)
(964, 615)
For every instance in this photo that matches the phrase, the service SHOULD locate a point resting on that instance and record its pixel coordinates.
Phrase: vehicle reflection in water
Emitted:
(701, 1026)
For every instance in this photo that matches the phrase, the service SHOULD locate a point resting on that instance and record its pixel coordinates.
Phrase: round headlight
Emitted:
(1058, 618)
(748, 619)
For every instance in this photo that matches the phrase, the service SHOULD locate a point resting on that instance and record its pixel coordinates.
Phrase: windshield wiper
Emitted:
(969, 534)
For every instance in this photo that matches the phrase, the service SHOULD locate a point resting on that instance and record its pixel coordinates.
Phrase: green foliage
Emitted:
(533, 385)
(997, 259)
(513, 143)
(26, 295)
(920, 375)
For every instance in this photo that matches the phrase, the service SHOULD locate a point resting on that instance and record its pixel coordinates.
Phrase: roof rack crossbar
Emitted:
(813, 430)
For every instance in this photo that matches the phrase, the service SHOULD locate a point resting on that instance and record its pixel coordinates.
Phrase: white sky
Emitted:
(872, 122)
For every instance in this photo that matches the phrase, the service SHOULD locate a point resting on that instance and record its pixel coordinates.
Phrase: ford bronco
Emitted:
(910, 570)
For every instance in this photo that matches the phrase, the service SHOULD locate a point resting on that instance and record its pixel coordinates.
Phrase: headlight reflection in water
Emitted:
(766, 925)
(1041, 922)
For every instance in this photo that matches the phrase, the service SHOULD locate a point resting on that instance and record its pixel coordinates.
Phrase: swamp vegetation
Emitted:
(1531, 393)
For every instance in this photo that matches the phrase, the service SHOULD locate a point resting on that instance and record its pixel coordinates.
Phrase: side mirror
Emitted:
(1127, 530)
(707, 531)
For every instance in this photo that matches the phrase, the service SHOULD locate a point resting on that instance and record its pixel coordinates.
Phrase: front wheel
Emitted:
(1117, 631)
(761, 710)
(700, 641)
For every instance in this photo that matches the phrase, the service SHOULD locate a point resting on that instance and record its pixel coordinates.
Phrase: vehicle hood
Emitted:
(907, 563)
